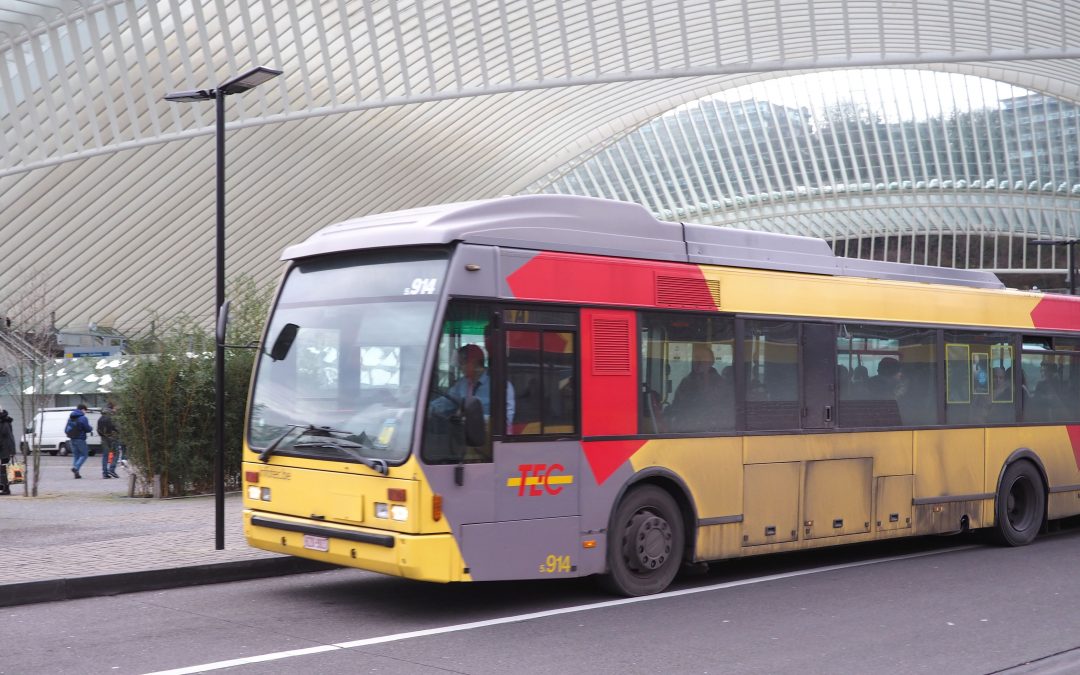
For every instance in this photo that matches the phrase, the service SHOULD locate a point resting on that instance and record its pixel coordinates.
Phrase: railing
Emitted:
(19, 348)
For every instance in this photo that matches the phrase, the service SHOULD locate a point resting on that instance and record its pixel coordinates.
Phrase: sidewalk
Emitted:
(83, 538)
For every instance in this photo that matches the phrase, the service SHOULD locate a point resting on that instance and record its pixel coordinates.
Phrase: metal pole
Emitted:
(1071, 244)
(219, 348)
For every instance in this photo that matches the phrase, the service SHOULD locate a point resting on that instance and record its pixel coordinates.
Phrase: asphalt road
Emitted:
(937, 605)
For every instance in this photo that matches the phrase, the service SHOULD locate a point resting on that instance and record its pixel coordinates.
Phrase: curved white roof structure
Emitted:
(882, 162)
(107, 191)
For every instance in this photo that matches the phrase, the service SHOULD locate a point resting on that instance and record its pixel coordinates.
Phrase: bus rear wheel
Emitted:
(645, 542)
(1020, 505)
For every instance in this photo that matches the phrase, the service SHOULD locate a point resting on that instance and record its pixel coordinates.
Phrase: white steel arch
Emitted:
(107, 191)
(951, 155)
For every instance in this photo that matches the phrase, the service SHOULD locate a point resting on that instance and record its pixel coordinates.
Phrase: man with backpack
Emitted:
(77, 428)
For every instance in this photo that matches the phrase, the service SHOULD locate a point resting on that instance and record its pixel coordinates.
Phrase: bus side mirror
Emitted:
(475, 426)
(222, 322)
(284, 341)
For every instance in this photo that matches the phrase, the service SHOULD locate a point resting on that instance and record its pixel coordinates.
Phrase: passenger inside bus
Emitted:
(860, 382)
(887, 384)
(702, 400)
(1048, 398)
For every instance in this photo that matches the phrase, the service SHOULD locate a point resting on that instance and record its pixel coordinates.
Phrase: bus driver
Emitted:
(475, 381)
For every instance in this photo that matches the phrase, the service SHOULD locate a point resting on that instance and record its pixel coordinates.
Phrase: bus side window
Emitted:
(771, 350)
(541, 374)
(1050, 380)
(462, 370)
(887, 376)
(979, 378)
(687, 374)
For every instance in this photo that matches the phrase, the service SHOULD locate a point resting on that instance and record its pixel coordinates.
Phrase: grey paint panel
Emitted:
(602, 227)
(510, 261)
(543, 222)
(471, 502)
(522, 474)
(710, 245)
(519, 549)
(760, 250)
(482, 282)
(565, 240)
(874, 269)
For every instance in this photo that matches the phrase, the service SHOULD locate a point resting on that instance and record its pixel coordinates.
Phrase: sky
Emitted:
(894, 93)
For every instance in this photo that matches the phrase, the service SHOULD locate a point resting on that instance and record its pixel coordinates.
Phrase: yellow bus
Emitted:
(554, 386)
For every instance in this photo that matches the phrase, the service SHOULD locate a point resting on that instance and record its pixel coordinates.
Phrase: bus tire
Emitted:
(645, 542)
(1020, 505)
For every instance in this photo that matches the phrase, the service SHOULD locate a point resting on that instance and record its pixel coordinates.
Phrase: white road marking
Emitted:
(397, 637)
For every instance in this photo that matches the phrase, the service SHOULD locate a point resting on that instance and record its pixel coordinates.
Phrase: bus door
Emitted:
(537, 452)
(513, 499)
(818, 376)
(459, 467)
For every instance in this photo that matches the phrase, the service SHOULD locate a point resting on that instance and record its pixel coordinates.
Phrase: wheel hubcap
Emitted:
(647, 542)
(1018, 505)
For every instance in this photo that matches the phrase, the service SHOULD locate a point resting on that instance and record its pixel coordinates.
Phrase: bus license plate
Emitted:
(316, 543)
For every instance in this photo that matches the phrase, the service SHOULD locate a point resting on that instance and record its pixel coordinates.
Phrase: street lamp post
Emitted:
(1070, 249)
(236, 85)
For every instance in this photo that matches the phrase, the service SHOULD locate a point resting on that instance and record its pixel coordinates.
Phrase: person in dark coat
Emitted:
(110, 447)
(7, 450)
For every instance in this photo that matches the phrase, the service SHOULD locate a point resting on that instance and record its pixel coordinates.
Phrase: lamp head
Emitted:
(194, 95)
(248, 80)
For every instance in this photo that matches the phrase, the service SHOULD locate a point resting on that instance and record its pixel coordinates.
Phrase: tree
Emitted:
(27, 342)
(166, 400)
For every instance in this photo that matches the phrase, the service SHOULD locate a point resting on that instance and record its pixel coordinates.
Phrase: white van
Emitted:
(47, 432)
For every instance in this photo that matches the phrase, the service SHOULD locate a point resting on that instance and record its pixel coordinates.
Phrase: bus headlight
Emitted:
(399, 512)
(253, 492)
(382, 510)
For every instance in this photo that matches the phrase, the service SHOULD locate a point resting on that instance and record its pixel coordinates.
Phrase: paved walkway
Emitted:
(85, 537)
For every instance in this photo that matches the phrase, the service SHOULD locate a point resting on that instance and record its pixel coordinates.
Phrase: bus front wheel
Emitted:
(645, 542)
(1020, 504)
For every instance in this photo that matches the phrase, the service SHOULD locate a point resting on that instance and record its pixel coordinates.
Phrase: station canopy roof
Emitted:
(107, 190)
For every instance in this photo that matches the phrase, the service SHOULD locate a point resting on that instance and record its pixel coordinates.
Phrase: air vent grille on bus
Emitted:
(611, 346)
(686, 292)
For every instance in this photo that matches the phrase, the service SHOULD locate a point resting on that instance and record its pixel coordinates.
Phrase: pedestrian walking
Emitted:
(7, 450)
(77, 428)
(110, 444)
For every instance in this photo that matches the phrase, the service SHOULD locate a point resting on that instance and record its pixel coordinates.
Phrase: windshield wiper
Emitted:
(378, 465)
(264, 456)
(308, 430)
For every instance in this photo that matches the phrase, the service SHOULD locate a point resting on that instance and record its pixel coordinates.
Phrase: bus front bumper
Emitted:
(427, 557)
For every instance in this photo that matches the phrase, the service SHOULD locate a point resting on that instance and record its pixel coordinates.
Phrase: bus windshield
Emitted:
(347, 388)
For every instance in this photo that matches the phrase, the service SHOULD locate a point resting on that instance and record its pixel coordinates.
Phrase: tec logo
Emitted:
(540, 479)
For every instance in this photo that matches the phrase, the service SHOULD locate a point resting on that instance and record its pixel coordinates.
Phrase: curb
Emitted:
(52, 590)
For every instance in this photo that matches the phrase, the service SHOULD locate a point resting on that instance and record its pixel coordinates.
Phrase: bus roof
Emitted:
(621, 229)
